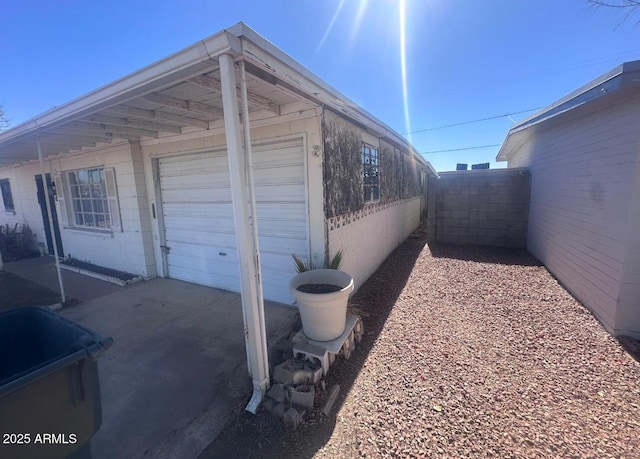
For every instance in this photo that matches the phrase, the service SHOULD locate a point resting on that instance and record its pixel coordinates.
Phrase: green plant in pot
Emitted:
(322, 295)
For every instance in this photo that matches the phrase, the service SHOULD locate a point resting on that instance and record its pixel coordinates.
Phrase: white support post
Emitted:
(45, 188)
(249, 277)
(246, 129)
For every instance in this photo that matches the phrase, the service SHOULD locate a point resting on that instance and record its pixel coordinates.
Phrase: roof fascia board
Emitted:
(627, 81)
(174, 68)
(269, 58)
(581, 90)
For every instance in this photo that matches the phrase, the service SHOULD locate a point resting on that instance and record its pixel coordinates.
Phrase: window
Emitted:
(7, 198)
(89, 199)
(370, 173)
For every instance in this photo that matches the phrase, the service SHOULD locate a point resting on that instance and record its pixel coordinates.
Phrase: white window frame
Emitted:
(67, 199)
(11, 210)
(370, 164)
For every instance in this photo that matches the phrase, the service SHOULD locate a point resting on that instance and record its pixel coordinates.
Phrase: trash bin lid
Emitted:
(32, 338)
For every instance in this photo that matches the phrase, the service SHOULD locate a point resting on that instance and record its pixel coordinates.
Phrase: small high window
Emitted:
(7, 197)
(370, 173)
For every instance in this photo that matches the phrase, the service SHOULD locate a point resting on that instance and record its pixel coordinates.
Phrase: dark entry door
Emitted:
(45, 219)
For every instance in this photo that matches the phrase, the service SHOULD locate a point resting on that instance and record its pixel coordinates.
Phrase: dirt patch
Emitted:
(18, 292)
(123, 276)
(474, 352)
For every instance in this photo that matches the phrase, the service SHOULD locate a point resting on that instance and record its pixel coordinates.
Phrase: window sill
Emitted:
(10, 212)
(370, 203)
(89, 231)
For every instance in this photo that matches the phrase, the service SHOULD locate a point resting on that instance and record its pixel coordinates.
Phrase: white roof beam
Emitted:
(132, 123)
(153, 115)
(100, 136)
(62, 145)
(213, 84)
(184, 105)
(116, 131)
(72, 137)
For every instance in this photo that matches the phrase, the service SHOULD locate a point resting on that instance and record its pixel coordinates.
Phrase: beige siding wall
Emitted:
(25, 199)
(122, 250)
(367, 237)
(582, 177)
(628, 316)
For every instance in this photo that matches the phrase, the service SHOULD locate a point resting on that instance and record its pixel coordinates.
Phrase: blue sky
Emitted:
(465, 59)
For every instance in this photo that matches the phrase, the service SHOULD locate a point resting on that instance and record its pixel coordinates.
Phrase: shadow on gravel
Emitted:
(485, 254)
(261, 436)
(630, 345)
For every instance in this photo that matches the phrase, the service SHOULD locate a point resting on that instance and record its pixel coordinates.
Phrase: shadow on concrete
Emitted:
(18, 292)
(42, 272)
(262, 436)
(485, 254)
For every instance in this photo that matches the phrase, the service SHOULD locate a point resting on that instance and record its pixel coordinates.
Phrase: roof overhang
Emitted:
(178, 93)
(619, 84)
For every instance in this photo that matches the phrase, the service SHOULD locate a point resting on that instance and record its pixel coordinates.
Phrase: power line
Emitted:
(506, 115)
(460, 149)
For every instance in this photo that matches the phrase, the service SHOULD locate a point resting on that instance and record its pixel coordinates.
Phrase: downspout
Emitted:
(54, 241)
(253, 313)
(246, 128)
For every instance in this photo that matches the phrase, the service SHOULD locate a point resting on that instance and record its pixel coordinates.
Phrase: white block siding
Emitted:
(123, 250)
(582, 223)
(25, 199)
(368, 236)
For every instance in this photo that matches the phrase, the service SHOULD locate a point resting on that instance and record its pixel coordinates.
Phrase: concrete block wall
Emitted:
(483, 207)
(368, 236)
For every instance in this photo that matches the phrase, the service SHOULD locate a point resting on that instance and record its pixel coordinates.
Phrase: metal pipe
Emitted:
(246, 128)
(258, 364)
(45, 188)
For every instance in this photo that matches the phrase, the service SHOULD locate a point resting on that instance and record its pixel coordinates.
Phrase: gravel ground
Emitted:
(469, 352)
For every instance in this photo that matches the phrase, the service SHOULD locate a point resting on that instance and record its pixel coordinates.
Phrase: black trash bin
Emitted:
(49, 391)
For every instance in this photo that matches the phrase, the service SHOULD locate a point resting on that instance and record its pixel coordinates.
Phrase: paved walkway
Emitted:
(42, 271)
(177, 370)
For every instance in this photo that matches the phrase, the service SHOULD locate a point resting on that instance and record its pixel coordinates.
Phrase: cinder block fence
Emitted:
(481, 207)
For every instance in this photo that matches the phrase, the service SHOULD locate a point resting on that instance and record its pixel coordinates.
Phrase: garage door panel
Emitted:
(285, 192)
(202, 238)
(199, 224)
(216, 161)
(287, 173)
(215, 252)
(285, 210)
(196, 182)
(282, 228)
(283, 245)
(203, 210)
(188, 196)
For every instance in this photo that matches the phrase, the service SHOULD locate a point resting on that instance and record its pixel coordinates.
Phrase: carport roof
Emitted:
(617, 84)
(180, 93)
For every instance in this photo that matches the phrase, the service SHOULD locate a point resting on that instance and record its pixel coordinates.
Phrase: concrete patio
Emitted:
(177, 370)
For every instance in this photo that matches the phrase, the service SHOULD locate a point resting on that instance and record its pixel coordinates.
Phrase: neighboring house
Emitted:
(140, 178)
(583, 153)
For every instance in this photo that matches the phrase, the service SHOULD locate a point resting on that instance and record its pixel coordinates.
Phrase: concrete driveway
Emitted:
(177, 371)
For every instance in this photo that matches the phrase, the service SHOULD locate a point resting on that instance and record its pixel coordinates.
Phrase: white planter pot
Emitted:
(323, 314)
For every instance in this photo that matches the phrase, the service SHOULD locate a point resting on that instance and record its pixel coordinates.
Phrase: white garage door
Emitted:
(198, 216)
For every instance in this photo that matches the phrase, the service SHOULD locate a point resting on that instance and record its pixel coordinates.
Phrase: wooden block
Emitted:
(331, 400)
